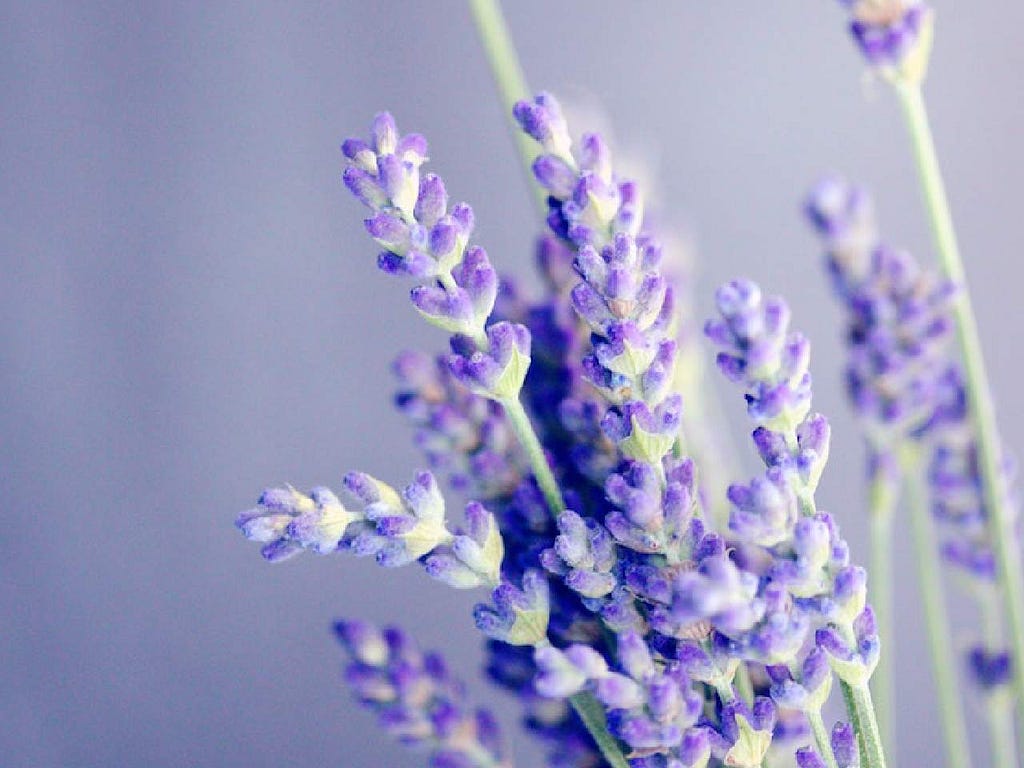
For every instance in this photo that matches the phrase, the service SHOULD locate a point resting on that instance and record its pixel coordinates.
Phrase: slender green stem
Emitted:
(999, 712)
(979, 395)
(862, 716)
(744, 685)
(954, 730)
(592, 714)
(855, 721)
(998, 702)
(528, 440)
(885, 486)
(821, 738)
(587, 707)
(508, 75)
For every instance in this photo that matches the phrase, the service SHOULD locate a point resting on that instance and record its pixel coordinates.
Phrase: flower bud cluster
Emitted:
(457, 286)
(791, 578)
(417, 700)
(892, 35)
(622, 294)
(906, 387)
(898, 317)
(396, 528)
(652, 706)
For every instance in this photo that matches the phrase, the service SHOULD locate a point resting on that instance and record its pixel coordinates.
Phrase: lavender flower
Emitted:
(463, 435)
(899, 324)
(906, 389)
(417, 700)
(457, 285)
(651, 706)
(622, 296)
(396, 528)
(891, 34)
(794, 554)
(286, 521)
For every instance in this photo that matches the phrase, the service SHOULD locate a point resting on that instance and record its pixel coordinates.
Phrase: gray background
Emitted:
(189, 312)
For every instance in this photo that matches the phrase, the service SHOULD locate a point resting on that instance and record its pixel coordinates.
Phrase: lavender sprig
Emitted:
(901, 317)
(806, 579)
(457, 284)
(417, 700)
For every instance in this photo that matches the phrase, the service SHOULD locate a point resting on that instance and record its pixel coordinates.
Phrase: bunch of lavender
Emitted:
(656, 660)
(909, 397)
(635, 634)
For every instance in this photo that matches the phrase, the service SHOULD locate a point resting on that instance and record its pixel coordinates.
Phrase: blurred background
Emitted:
(189, 311)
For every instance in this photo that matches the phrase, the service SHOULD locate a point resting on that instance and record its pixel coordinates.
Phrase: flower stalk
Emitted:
(954, 729)
(979, 392)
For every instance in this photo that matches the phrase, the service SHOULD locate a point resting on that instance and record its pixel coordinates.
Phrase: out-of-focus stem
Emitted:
(998, 702)
(979, 394)
(937, 624)
(508, 76)
(885, 485)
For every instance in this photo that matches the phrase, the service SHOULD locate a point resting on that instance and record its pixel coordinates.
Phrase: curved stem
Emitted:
(954, 729)
(508, 76)
(979, 395)
(885, 487)
(530, 443)
(821, 738)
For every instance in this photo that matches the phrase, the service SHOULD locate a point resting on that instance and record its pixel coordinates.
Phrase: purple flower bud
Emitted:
(518, 616)
(542, 120)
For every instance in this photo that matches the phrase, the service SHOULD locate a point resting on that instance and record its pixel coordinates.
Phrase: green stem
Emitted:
(592, 714)
(998, 702)
(999, 711)
(530, 444)
(508, 76)
(936, 617)
(884, 496)
(744, 685)
(855, 721)
(821, 738)
(587, 707)
(979, 395)
(862, 716)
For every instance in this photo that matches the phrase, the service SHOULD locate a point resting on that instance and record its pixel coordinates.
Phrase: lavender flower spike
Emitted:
(894, 36)
(624, 298)
(907, 390)
(806, 580)
(396, 528)
(417, 699)
(457, 286)
(286, 522)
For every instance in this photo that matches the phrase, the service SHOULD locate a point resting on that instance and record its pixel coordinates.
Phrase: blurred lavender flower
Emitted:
(891, 34)
(417, 700)
(906, 388)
